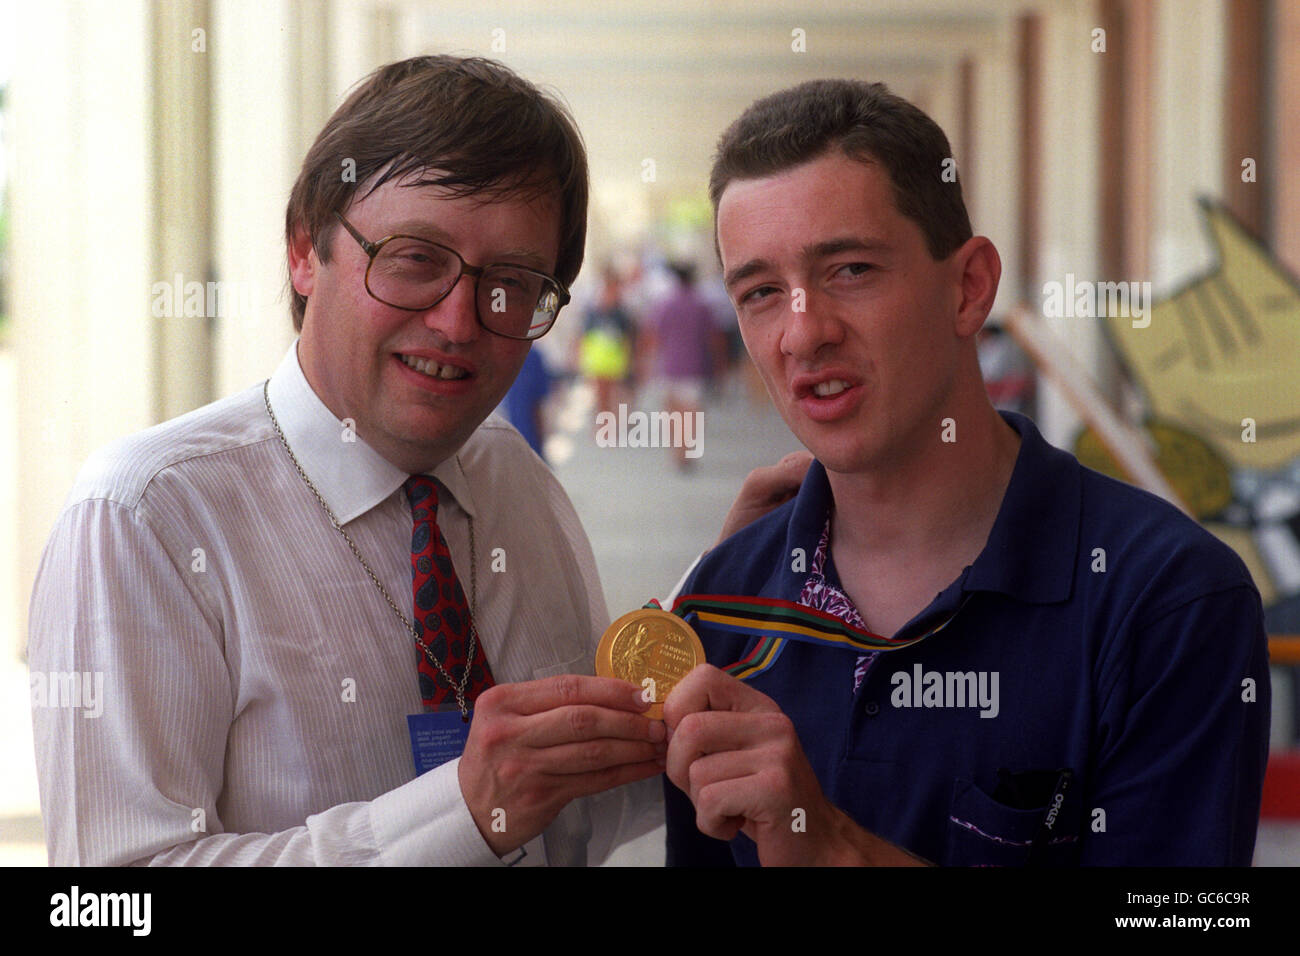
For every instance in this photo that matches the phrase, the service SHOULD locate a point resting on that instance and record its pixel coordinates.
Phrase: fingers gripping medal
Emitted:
(651, 649)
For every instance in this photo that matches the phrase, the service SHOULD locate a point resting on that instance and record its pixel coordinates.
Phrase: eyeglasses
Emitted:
(414, 274)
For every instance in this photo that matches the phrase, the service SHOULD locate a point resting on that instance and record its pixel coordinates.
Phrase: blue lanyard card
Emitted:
(437, 737)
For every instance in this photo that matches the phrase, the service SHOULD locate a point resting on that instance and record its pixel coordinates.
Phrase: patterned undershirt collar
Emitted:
(822, 594)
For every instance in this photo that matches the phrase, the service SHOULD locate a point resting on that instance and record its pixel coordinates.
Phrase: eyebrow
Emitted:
(817, 250)
(422, 230)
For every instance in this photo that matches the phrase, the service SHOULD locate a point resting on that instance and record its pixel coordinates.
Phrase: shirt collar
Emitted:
(350, 475)
(1033, 547)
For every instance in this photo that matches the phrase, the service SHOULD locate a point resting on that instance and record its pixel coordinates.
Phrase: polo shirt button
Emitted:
(872, 708)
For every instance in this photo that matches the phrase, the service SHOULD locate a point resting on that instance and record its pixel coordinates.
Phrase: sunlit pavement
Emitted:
(648, 519)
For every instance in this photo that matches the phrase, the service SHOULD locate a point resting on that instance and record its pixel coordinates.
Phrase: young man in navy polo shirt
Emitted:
(1090, 685)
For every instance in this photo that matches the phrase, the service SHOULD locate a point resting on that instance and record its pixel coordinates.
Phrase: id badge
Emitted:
(437, 737)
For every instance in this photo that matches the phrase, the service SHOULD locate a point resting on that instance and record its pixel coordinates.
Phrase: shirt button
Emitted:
(872, 708)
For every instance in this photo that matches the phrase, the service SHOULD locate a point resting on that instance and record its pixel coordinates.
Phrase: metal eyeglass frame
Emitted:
(371, 249)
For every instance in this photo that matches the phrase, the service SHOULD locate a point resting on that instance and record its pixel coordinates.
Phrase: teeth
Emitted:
(433, 369)
(833, 387)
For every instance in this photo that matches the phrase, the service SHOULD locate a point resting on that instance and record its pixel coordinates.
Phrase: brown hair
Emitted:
(469, 124)
(866, 122)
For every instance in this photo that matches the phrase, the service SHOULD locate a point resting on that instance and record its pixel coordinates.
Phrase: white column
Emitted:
(351, 52)
(1187, 135)
(255, 129)
(82, 206)
(943, 102)
(1069, 190)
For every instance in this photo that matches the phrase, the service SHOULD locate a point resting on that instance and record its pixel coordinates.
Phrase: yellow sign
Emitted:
(1221, 357)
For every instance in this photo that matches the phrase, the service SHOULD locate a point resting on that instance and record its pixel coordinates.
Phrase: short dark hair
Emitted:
(866, 122)
(469, 124)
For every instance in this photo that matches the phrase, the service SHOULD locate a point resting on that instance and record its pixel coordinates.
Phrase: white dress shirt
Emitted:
(255, 683)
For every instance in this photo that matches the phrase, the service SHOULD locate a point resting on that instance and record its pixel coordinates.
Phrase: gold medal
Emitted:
(651, 649)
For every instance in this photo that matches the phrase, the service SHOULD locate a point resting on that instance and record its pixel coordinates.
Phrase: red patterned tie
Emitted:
(441, 615)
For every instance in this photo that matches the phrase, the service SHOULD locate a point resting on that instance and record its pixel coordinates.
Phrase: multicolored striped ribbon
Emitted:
(777, 622)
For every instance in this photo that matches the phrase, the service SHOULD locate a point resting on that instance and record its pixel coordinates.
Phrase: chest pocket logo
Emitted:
(1031, 819)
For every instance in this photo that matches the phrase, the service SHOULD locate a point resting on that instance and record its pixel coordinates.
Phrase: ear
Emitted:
(303, 263)
(980, 270)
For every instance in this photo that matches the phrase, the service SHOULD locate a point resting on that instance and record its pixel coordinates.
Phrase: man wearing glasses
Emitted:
(295, 596)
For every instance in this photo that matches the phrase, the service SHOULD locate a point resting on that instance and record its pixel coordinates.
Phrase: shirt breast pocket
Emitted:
(983, 831)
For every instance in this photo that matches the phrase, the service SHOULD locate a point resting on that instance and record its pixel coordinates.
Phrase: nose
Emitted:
(810, 329)
(456, 315)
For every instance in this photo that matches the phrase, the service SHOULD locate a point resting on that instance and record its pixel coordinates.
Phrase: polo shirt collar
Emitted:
(1032, 548)
(350, 475)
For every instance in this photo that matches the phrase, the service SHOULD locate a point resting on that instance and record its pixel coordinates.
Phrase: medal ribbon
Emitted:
(777, 622)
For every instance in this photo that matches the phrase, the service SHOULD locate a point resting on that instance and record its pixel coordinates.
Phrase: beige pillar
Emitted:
(993, 179)
(312, 69)
(1187, 135)
(943, 101)
(1070, 112)
(182, 226)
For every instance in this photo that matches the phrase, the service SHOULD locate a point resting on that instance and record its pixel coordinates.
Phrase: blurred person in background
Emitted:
(1008, 372)
(525, 403)
(730, 346)
(684, 348)
(606, 347)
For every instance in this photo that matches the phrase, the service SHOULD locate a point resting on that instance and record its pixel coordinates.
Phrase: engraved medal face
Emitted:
(651, 649)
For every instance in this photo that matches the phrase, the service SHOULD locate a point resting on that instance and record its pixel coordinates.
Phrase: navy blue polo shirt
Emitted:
(1100, 631)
